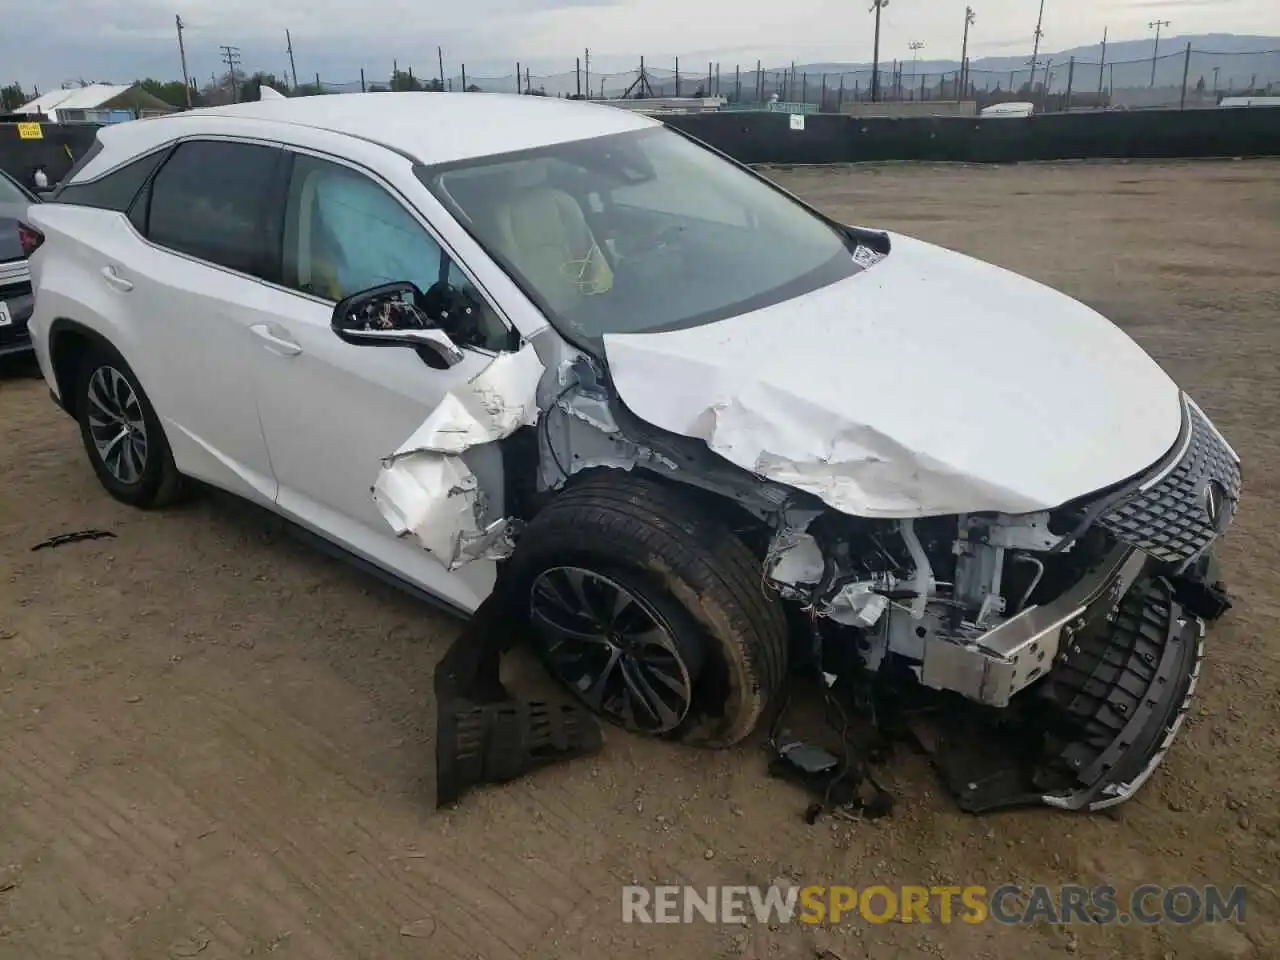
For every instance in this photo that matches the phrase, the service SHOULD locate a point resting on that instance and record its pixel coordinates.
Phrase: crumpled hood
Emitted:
(928, 384)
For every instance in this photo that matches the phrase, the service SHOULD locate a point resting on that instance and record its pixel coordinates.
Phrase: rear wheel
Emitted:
(650, 612)
(121, 432)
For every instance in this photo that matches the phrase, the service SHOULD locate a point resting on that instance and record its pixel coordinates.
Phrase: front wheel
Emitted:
(651, 612)
(122, 434)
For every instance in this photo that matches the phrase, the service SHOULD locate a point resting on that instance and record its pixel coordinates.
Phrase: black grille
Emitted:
(1172, 520)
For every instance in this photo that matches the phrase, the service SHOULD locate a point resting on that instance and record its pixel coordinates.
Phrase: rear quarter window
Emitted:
(114, 190)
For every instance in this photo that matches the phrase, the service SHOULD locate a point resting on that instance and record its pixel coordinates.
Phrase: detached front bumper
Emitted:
(1092, 734)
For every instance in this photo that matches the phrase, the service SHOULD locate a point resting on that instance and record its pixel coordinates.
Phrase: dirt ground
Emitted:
(216, 742)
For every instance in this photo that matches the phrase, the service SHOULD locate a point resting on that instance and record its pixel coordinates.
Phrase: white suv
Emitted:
(700, 427)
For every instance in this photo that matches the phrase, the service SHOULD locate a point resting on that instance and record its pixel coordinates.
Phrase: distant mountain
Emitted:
(1240, 61)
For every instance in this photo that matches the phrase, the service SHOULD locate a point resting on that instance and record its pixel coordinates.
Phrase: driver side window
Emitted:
(344, 233)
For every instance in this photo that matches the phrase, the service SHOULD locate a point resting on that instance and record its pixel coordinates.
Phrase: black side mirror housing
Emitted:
(394, 315)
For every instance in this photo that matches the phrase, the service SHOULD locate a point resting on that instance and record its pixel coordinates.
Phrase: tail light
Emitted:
(30, 238)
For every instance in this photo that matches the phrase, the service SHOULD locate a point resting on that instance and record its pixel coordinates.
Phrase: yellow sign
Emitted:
(30, 131)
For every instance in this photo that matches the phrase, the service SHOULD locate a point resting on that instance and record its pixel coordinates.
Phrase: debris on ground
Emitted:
(484, 735)
(76, 537)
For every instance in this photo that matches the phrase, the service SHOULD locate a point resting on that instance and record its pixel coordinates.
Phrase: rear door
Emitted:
(192, 265)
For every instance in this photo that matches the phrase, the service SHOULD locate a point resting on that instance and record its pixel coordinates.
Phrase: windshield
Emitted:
(639, 232)
(11, 193)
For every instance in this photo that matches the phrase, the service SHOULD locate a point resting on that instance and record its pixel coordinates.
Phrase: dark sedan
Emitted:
(16, 297)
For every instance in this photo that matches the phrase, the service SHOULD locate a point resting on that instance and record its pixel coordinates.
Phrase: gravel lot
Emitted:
(216, 742)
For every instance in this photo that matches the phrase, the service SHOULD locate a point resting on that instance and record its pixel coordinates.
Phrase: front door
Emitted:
(331, 411)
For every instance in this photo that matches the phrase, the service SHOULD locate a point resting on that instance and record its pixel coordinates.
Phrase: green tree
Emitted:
(252, 89)
(403, 80)
(12, 97)
(172, 92)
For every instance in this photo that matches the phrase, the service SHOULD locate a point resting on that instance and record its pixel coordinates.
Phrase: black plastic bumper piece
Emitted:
(1101, 723)
(1120, 696)
(483, 735)
(500, 742)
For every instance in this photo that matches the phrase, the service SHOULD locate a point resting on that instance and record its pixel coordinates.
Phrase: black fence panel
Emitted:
(59, 146)
(1139, 134)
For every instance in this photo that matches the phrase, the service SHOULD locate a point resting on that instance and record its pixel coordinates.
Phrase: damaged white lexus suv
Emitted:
(700, 431)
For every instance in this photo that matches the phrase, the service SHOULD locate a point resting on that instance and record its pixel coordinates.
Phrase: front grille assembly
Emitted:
(1185, 506)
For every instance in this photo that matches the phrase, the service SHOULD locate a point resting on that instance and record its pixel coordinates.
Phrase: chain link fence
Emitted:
(1184, 78)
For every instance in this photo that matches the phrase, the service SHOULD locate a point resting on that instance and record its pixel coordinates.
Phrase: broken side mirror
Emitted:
(394, 315)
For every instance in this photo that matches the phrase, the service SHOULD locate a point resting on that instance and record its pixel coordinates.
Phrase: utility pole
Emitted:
(915, 46)
(231, 57)
(677, 76)
(1103, 65)
(1186, 69)
(586, 71)
(577, 72)
(877, 6)
(1156, 25)
(1035, 51)
(963, 90)
(182, 53)
(293, 67)
(440, 61)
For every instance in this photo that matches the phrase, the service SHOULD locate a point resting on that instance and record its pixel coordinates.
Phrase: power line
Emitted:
(231, 57)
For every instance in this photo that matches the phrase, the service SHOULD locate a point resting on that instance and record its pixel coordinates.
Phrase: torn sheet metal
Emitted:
(426, 490)
(493, 404)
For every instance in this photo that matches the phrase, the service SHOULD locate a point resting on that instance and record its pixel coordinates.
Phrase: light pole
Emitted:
(915, 46)
(962, 89)
(1156, 25)
(877, 6)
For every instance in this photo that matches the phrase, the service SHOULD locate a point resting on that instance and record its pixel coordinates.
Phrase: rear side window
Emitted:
(208, 201)
(114, 190)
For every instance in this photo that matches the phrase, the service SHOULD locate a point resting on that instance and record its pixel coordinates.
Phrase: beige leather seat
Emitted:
(543, 232)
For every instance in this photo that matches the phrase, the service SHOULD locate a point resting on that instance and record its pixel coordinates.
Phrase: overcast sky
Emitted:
(47, 42)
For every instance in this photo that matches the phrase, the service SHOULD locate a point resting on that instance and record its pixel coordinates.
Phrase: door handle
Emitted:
(115, 280)
(279, 345)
